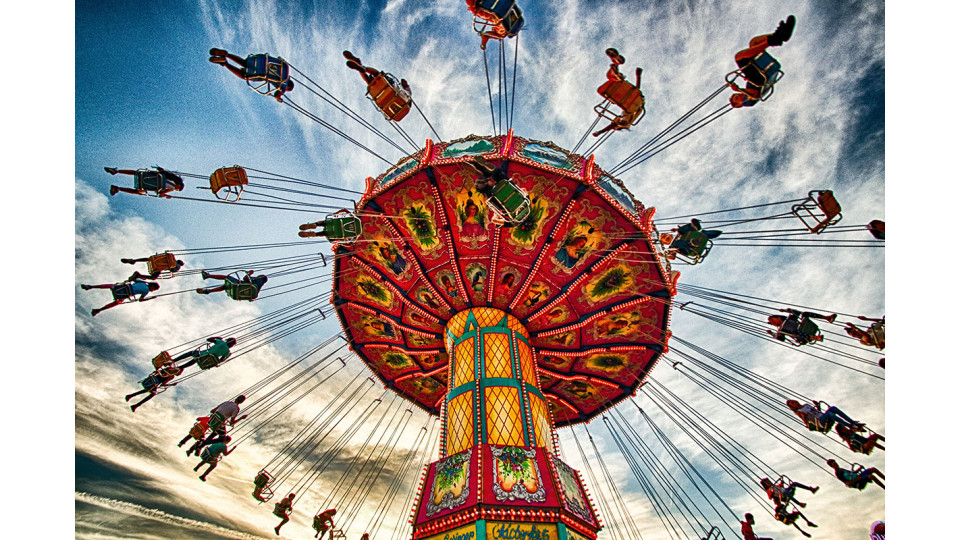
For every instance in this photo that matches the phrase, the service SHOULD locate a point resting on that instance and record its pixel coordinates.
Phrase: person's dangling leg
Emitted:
(835, 414)
(117, 189)
(104, 286)
(142, 401)
(115, 303)
(210, 290)
(128, 396)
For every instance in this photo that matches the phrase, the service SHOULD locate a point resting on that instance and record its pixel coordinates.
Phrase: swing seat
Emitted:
(622, 94)
(713, 534)
(699, 244)
(261, 486)
(161, 360)
(279, 510)
(238, 289)
(824, 426)
(342, 227)
(496, 19)
(205, 455)
(198, 431)
(230, 180)
(509, 201)
(337, 533)
(122, 292)
(216, 421)
(818, 211)
(808, 327)
(152, 382)
(877, 333)
(148, 181)
(161, 262)
(764, 69)
(386, 92)
(266, 73)
(208, 361)
(878, 229)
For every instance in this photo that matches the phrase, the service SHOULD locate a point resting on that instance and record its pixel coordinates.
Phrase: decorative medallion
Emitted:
(451, 483)
(516, 474)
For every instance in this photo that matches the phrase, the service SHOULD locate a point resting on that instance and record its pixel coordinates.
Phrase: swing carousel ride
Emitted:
(510, 288)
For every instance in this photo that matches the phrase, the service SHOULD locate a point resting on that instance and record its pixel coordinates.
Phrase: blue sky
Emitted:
(145, 94)
(165, 104)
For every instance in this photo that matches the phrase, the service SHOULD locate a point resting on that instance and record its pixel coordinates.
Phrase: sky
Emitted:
(145, 94)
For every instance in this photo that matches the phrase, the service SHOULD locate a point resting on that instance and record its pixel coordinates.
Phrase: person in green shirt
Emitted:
(212, 454)
(220, 348)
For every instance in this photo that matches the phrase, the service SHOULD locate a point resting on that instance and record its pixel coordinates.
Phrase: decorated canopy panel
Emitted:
(580, 272)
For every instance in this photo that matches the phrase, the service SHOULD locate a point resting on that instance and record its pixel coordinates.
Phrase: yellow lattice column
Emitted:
(493, 396)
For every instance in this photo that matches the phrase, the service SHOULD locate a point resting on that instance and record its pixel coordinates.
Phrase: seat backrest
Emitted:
(148, 180)
(828, 203)
(241, 291)
(808, 327)
(622, 94)
(500, 8)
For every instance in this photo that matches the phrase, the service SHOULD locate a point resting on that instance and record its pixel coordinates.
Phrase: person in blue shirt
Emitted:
(124, 291)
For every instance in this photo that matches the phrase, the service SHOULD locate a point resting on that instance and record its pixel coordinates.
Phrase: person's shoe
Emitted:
(800, 504)
(615, 56)
(204, 274)
(203, 478)
(180, 445)
(831, 318)
(783, 32)
(127, 261)
(218, 52)
(128, 396)
(111, 170)
(85, 287)
(349, 56)
(306, 234)
(93, 312)
(308, 226)
(277, 529)
(352, 64)
(133, 408)
(218, 60)
(201, 291)
(114, 190)
(815, 489)
(811, 524)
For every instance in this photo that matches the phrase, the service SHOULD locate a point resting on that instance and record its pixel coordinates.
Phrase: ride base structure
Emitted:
(505, 329)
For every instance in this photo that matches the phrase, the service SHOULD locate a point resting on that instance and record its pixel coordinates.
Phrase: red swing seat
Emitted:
(818, 211)
(624, 95)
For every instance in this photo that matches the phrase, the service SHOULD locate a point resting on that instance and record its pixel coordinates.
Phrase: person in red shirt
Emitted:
(746, 528)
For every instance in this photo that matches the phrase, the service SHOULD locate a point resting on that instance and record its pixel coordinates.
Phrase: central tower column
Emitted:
(494, 397)
(498, 477)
